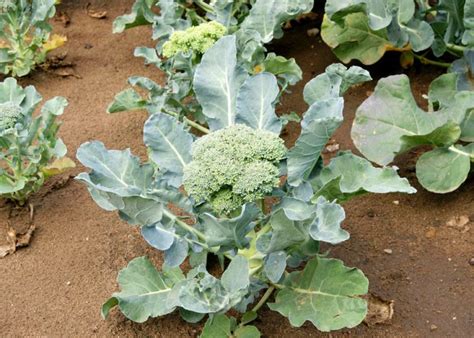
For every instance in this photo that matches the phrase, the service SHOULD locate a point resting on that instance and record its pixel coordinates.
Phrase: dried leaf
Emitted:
(58, 166)
(380, 311)
(54, 42)
(96, 14)
(458, 221)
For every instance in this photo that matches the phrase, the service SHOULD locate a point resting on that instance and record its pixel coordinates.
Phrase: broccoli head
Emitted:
(197, 38)
(233, 166)
(10, 115)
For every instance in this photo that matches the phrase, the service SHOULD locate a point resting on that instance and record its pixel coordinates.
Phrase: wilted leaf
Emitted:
(59, 166)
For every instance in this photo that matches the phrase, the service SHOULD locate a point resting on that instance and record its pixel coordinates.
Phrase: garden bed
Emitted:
(55, 287)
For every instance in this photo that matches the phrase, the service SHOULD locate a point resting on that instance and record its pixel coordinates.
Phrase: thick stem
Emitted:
(184, 225)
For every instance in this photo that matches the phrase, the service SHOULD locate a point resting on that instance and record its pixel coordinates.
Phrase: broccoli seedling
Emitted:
(197, 38)
(233, 166)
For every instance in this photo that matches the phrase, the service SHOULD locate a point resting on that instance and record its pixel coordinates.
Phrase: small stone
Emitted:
(68, 283)
(312, 32)
(431, 233)
(471, 261)
(388, 251)
(433, 327)
(88, 46)
(396, 202)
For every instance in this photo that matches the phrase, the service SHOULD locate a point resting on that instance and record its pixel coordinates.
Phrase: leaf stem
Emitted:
(459, 151)
(426, 61)
(455, 48)
(190, 123)
(264, 299)
(184, 225)
(206, 7)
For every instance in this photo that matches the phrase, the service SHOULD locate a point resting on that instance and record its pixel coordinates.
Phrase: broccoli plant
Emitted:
(364, 29)
(239, 194)
(30, 150)
(25, 35)
(183, 36)
(448, 127)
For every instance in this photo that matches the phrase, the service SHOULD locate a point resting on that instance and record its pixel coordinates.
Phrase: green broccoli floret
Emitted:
(10, 114)
(233, 166)
(197, 38)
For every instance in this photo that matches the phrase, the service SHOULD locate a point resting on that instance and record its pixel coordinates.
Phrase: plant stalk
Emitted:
(426, 61)
(264, 299)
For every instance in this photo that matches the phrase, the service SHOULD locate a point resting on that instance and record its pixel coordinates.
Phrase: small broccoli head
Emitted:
(197, 38)
(233, 166)
(10, 115)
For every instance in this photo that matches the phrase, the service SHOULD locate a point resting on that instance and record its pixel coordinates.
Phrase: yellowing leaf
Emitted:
(58, 166)
(54, 42)
(258, 69)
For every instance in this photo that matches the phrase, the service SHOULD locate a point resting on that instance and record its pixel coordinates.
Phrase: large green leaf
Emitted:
(387, 121)
(255, 103)
(443, 170)
(216, 83)
(221, 326)
(267, 16)
(145, 291)
(348, 175)
(282, 67)
(169, 144)
(319, 123)
(353, 39)
(114, 171)
(325, 293)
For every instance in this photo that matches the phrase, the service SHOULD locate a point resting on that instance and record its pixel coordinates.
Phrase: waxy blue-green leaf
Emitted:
(141, 14)
(267, 16)
(326, 293)
(217, 81)
(229, 232)
(145, 291)
(334, 82)
(7, 186)
(221, 326)
(275, 265)
(391, 113)
(326, 226)
(304, 156)
(236, 276)
(126, 100)
(255, 103)
(443, 170)
(114, 171)
(169, 144)
(137, 210)
(348, 175)
(158, 235)
(149, 54)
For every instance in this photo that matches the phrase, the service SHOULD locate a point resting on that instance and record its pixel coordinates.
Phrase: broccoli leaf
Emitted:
(325, 293)
(229, 232)
(221, 326)
(353, 39)
(380, 134)
(216, 82)
(145, 291)
(348, 175)
(141, 15)
(443, 170)
(169, 144)
(255, 103)
(267, 16)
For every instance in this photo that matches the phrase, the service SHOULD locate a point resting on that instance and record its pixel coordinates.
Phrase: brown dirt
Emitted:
(56, 286)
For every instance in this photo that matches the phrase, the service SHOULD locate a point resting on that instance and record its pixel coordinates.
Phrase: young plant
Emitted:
(364, 30)
(210, 195)
(183, 36)
(389, 123)
(25, 35)
(30, 150)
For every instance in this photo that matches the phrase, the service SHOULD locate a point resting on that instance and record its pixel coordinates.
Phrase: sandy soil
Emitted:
(56, 286)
